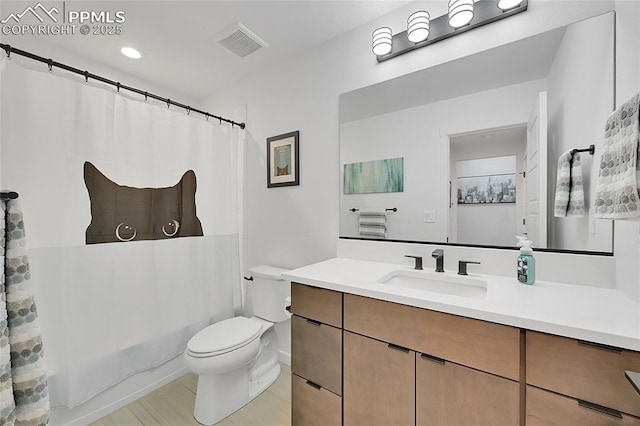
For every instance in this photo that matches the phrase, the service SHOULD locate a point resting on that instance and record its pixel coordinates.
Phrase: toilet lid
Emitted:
(224, 336)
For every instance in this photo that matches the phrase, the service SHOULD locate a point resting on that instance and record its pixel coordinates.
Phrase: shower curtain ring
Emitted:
(207, 116)
(146, 94)
(118, 86)
(86, 76)
(188, 110)
(50, 64)
(168, 103)
(8, 51)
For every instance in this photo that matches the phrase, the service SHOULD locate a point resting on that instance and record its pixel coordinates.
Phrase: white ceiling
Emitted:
(177, 38)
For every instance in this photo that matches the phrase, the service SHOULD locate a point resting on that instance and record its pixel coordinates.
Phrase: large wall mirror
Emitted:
(466, 152)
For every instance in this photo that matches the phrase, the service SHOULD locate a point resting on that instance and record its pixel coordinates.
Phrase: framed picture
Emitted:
(282, 160)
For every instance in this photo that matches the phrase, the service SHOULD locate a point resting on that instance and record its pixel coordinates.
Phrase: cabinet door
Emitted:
(448, 394)
(546, 409)
(316, 353)
(312, 405)
(379, 383)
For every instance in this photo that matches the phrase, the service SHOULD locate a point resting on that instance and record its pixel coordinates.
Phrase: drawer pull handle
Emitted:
(600, 409)
(432, 358)
(314, 385)
(316, 323)
(397, 348)
(599, 346)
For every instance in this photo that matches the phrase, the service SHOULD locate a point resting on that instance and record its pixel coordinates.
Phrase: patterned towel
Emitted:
(617, 189)
(569, 189)
(24, 398)
(373, 223)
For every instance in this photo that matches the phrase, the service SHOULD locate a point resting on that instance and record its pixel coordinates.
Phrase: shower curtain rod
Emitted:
(87, 75)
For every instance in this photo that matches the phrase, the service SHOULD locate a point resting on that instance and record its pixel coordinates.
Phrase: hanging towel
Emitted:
(569, 200)
(373, 223)
(616, 188)
(24, 398)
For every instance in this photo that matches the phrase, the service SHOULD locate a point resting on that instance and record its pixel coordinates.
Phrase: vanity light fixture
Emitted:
(382, 41)
(418, 26)
(464, 15)
(508, 4)
(460, 12)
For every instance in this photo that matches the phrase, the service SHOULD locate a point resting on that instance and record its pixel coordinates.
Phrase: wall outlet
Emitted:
(429, 216)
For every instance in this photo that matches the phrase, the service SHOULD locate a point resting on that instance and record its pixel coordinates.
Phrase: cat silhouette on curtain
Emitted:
(124, 213)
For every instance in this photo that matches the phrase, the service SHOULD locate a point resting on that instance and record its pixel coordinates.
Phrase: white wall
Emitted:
(627, 236)
(578, 110)
(419, 135)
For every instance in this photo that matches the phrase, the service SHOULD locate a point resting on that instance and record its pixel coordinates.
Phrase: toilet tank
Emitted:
(269, 291)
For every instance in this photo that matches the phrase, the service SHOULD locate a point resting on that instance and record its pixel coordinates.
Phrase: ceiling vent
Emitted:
(240, 40)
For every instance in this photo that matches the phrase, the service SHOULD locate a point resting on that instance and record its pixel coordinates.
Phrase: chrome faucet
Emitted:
(438, 254)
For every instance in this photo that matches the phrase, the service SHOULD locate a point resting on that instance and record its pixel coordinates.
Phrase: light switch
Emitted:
(429, 216)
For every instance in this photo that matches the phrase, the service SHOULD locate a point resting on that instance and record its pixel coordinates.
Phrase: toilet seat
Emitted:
(224, 336)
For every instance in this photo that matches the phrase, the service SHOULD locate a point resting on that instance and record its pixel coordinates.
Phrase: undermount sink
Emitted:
(436, 283)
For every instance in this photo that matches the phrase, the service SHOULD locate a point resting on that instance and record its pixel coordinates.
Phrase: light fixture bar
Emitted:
(485, 12)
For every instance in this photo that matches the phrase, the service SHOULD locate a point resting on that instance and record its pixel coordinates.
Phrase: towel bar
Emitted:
(395, 209)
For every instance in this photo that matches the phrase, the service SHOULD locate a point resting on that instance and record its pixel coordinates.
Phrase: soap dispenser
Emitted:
(526, 262)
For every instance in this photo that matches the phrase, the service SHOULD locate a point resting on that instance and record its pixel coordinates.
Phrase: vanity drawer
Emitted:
(317, 304)
(547, 408)
(316, 353)
(585, 371)
(313, 406)
(482, 345)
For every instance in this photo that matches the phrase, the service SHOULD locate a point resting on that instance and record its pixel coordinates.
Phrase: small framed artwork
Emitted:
(283, 167)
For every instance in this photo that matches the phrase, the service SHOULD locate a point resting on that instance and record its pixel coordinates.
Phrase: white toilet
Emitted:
(236, 359)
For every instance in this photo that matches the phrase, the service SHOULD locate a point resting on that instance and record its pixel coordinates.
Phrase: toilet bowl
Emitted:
(237, 358)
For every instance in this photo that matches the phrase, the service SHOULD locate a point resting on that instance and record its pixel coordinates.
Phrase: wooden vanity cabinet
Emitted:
(316, 356)
(588, 374)
(379, 382)
(464, 371)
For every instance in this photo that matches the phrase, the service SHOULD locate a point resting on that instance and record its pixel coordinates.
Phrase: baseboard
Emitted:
(119, 395)
(284, 358)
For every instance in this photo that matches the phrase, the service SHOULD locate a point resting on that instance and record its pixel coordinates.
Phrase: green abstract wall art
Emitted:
(374, 176)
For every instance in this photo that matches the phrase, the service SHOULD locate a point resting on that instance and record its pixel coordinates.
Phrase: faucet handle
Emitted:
(418, 259)
(462, 266)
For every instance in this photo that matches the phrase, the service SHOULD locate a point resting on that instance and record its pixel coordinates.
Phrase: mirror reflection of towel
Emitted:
(617, 186)
(373, 222)
(569, 201)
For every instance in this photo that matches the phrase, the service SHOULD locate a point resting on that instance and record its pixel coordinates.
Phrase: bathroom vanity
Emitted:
(368, 351)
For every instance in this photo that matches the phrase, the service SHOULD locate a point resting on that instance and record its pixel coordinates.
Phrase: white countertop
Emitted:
(598, 315)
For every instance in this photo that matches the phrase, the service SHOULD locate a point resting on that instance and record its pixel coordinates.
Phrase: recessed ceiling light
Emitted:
(130, 52)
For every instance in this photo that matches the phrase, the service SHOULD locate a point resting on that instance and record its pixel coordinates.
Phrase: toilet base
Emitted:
(220, 395)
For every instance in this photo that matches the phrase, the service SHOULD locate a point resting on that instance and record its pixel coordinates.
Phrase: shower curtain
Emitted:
(110, 310)
(24, 398)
